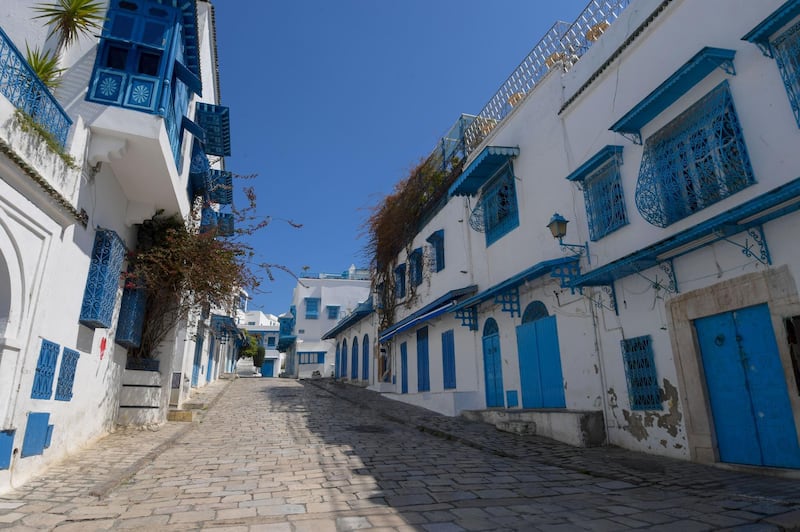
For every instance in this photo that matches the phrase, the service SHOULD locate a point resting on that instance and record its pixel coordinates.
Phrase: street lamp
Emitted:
(558, 228)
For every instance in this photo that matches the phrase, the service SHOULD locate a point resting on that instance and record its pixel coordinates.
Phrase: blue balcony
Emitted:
(27, 93)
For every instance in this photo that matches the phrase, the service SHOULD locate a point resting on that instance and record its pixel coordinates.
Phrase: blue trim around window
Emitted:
(415, 267)
(312, 308)
(400, 281)
(45, 370)
(499, 202)
(66, 375)
(102, 282)
(640, 373)
(602, 191)
(786, 49)
(333, 312)
(436, 241)
(311, 357)
(696, 160)
(482, 169)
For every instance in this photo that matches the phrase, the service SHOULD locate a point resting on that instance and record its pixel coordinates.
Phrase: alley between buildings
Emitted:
(285, 455)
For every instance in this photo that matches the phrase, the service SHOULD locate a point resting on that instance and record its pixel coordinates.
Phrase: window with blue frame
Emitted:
(270, 341)
(415, 267)
(333, 312)
(315, 357)
(696, 160)
(786, 49)
(66, 375)
(312, 308)
(100, 294)
(599, 178)
(400, 281)
(436, 241)
(499, 203)
(640, 372)
(45, 370)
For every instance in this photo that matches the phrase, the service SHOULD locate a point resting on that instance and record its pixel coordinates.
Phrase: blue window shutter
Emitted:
(312, 308)
(6, 447)
(400, 281)
(437, 242)
(100, 294)
(640, 372)
(320, 357)
(36, 430)
(415, 266)
(66, 376)
(499, 203)
(333, 312)
(45, 370)
(130, 322)
(449, 359)
(423, 366)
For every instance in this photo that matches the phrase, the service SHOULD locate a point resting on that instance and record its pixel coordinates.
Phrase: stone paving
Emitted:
(282, 455)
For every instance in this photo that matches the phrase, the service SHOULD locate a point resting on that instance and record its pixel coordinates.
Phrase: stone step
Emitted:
(180, 415)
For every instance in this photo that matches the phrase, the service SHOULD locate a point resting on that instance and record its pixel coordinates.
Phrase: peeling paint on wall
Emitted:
(637, 423)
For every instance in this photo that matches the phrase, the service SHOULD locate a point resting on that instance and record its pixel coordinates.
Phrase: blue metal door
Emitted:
(493, 371)
(540, 364)
(268, 368)
(198, 355)
(403, 368)
(747, 389)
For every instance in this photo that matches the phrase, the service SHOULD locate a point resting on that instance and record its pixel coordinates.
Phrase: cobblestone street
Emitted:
(282, 455)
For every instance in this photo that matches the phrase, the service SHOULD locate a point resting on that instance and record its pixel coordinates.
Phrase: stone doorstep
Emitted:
(180, 415)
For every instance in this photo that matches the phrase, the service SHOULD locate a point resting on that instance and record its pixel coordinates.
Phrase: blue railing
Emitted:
(27, 93)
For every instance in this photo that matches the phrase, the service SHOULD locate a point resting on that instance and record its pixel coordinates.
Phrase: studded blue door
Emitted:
(493, 371)
(403, 368)
(747, 389)
(540, 364)
(198, 355)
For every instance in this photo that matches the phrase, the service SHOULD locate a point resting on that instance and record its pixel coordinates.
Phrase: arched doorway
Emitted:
(541, 379)
(354, 368)
(336, 363)
(365, 358)
(343, 368)
(492, 365)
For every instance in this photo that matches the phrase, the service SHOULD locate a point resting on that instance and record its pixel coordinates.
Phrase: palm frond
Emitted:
(44, 65)
(69, 19)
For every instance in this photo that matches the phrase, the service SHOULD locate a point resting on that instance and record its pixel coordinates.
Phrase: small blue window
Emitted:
(786, 49)
(333, 312)
(400, 281)
(66, 376)
(270, 341)
(449, 359)
(312, 308)
(602, 192)
(45, 370)
(316, 357)
(640, 372)
(100, 294)
(415, 267)
(694, 161)
(499, 202)
(436, 241)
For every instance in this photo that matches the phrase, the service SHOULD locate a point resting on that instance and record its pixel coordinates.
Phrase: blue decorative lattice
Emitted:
(640, 372)
(499, 203)
(509, 301)
(605, 202)
(225, 225)
(66, 376)
(468, 317)
(566, 273)
(45, 370)
(694, 161)
(786, 49)
(221, 189)
(103, 279)
(131, 318)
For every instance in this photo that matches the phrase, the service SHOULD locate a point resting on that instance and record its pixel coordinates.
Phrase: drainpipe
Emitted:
(600, 363)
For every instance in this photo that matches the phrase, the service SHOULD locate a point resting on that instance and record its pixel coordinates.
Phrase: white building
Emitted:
(78, 171)
(666, 321)
(318, 302)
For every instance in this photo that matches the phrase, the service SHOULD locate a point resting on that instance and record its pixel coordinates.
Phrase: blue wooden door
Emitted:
(345, 354)
(423, 364)
(336, 364)
(403, 368)
(268, 368)
(198, 356)
(365, 358)
(493, 371)
(210, 364)
(540, 373)
(354, 368)
(747, 389)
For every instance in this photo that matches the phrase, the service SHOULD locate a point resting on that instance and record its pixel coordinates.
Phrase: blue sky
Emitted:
(332, 102)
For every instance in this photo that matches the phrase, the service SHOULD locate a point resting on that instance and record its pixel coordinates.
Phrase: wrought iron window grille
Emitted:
(66, 376)
(499, 206)
(696, 160)
(45, 370)
(604, 199)
(640, 373)
(102, 283)
(786, 49)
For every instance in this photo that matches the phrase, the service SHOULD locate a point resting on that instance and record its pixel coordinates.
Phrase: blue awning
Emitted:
(215, 120)
(482, 169)
(363, 310)
(755, 212)
(537, 270)
(429, 311)
(761, 34)
(596, 161)
(678, 84)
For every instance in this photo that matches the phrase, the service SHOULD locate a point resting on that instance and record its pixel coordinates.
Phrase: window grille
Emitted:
(786, 49)
(605, 202)
(640, 372)
(100, 294)
(415, 266)
(437, 241)
(312, 308)
(400, 281)
(499, 203)
(131, 318)
(66, 376)
(45, 370)
(333, 312)
(694, 161)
